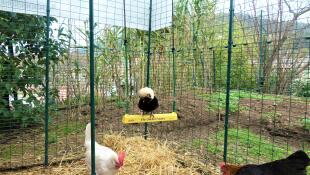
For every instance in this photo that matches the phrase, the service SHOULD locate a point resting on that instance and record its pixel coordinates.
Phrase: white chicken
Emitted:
(107, 161)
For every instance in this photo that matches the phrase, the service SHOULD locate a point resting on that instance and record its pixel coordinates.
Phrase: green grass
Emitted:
(255, 95)
(306, 123)
(243, 146)
(218, 99)
(17, 151)
(56, 134)
(52, 137)
(6, 152)
(64, 129)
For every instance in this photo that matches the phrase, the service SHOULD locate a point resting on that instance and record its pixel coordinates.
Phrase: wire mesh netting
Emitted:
(186, 44)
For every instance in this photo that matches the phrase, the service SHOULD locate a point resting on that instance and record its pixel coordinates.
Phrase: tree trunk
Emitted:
(7, 77)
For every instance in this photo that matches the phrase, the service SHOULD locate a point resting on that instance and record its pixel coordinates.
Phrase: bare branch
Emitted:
(289, 7)
(304, 67)
(269, 18)
(303, 11)
(297, 14)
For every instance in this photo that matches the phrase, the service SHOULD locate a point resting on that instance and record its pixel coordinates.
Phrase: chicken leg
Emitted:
(152, 115)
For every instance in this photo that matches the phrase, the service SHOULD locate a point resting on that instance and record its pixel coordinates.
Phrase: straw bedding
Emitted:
(151, 157)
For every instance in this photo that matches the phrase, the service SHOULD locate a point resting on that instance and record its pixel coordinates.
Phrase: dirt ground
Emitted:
(283, 120)
(194, 121)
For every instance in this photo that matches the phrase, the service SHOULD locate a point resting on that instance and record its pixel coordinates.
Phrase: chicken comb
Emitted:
(121, 157)
(222, 164)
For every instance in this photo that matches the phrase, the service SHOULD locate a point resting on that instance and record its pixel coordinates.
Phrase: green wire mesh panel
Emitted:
(270, 63)
(24, 28)
(69, 80)
(22, 79)
(195, 47)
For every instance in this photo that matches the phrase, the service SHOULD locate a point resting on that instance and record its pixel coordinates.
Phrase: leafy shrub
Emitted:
(22, 61)
(23, 115)
(301, 87)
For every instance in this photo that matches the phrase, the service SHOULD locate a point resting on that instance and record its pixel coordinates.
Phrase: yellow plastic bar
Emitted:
(147, 118)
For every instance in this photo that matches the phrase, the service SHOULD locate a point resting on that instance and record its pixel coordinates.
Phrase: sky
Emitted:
(137, 11)
(111, 12)
(246, 6)
(106, 12)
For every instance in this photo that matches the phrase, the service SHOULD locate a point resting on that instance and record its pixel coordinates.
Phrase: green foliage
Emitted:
(26, 115)
(305, 122)
(242, 72)
(64, 129)
(22, 59)
(243, 146)
(193, 37)
(271, 85)
(6, 152)
(120, 103)
(301, 87)
(52, 137)
(80, 99)
(217, 100)
(254, 95)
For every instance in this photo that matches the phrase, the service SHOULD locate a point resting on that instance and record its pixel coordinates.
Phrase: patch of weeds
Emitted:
(243, 146)
(52, 138)
(6, 152)
(217, 100)
(120, 104)
(258, 96)
(11, 151)
(72, 128)
(63, 130)
(305, 122)
(271, 116)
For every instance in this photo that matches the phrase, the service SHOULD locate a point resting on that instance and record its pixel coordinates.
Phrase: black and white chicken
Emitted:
(148, 101)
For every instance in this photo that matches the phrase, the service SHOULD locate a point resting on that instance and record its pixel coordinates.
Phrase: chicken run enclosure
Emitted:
(235, 72)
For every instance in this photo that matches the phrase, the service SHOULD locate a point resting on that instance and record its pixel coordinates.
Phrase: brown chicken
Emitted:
(295, 164)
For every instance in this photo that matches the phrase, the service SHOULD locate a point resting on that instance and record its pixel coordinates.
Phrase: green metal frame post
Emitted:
(214, 67)
(46, 116)
(149, 46)
(92, 85)
(173, 63)
(230, 43)
(148, 60)
(261, 54)
(126, 59)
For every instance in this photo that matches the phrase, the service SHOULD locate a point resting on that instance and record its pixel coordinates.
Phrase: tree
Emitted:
(284, 53)
(22, 59)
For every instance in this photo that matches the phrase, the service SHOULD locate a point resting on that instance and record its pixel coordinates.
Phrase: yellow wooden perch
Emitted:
(147, 118)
